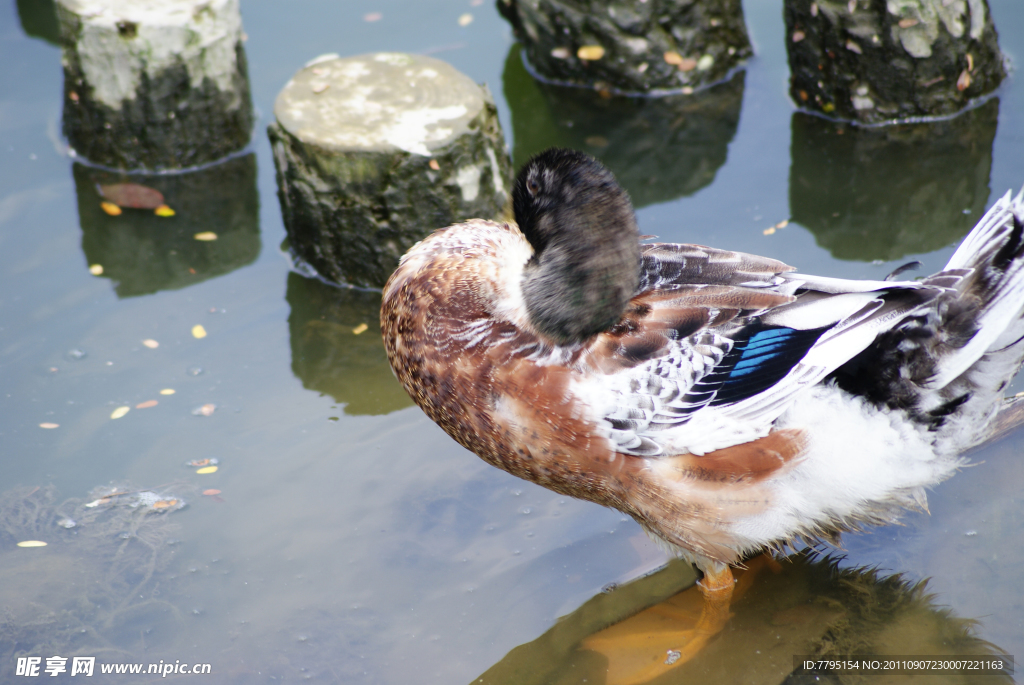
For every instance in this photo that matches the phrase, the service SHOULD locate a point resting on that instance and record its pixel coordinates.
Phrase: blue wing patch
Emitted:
(761, 356)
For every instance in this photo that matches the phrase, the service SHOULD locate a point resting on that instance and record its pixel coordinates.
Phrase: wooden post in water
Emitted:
(875, 61)
(376, 151)
(630, 46)
(154, 85)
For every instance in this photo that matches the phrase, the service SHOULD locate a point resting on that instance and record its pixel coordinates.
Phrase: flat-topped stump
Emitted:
(376, 151)
(882, 61)
(154, 84)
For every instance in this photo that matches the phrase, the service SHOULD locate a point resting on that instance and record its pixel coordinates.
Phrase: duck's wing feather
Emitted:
(698, 367)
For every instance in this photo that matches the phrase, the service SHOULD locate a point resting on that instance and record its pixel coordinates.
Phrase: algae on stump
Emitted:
(376, 151)
(873, 62)
(631, 47)
(154, 84)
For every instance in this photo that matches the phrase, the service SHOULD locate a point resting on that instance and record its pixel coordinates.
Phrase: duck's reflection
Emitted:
(144, 253)
(802, 605)
(337, 348)
(659, 148)
(886, 192)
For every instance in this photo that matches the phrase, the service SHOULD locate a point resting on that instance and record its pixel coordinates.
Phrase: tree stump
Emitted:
(376, 151)
(631, 47)
(659, 148)
(885, 192)
(877, 61)
(154, 85)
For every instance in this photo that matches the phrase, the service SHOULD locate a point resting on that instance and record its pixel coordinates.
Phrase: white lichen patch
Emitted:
(468, 180)
(920, 22)
(119, 41)
(499, 185)
(379, 103)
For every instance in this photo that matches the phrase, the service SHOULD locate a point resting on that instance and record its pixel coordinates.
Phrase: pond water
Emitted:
(351, 540)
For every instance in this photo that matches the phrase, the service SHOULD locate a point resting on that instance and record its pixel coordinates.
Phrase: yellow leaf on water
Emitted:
(147, 404)
(211, 492)
(590, 52)
(769, 230)
(119, 412)
(164, 503)
(49, 426)
(205, 236)
(163, 210)
(207, 469)
(150, 343)
(96, 269)
(361, 328)
(198, 331)
(110, 208)
(32, 543)
(167, 391)
(466, 19)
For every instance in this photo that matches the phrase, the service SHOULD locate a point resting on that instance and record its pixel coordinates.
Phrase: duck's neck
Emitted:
(581, 280)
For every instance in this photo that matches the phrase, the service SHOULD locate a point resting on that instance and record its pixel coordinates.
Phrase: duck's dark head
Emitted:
(586, 262)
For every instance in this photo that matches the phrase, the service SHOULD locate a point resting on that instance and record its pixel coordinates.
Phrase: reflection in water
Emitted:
(659, 149)
(337, 348)
(802, 605)
(144, 253)
(39, 20)
(886, 192)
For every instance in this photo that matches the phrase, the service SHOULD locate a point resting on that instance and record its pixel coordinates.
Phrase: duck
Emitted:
(727, 402)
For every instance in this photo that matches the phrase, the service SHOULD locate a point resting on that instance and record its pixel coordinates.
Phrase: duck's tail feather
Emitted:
(947, 364)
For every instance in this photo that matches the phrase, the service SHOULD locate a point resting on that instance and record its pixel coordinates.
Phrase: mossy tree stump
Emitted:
(154, 85)
(630, 47)
(875, 61)
(376, 151)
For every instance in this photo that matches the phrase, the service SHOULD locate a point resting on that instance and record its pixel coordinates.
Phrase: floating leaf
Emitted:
(132, 195)
(782, 224)
(205, 410)
(211, 492)
(466, 19)
(163, 210)
(49, 426)
(207, 469)
(205, 236)
(167, 391)
(770, 230)
(198, 331)
(164, 503)
(590, 52)
(673, 58)
(96, 269)
(146, 405)
(119, 412)
(211, 461)
(150, 343)
(32, 543)
(560, 53)
(361, 328)
(110, 208)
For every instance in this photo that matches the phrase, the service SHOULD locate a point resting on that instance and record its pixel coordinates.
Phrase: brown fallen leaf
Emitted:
(132, 195)
(147, 404)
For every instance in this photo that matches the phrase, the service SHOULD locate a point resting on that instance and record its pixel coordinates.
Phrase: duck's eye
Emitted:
(532, 186)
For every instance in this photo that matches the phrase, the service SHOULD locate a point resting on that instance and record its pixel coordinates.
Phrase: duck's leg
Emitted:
(669, 634)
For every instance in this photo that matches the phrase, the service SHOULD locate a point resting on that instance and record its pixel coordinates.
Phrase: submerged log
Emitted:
(631, 47)
(876, 61)
(154, 85)
(374, 152)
